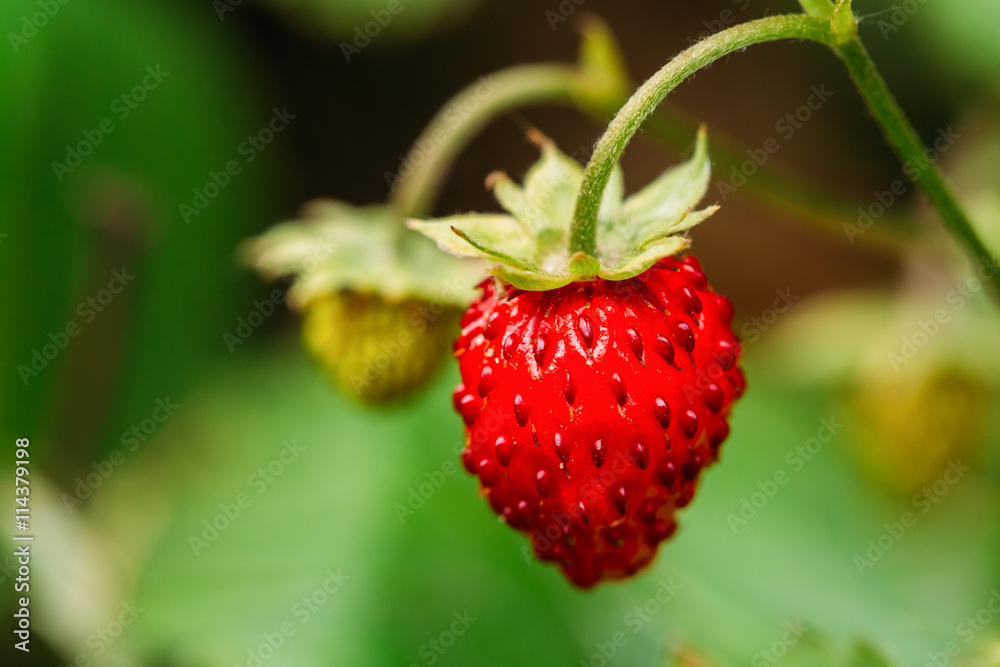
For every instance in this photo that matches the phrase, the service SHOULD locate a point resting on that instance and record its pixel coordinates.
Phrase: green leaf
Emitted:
(582, 264)
(513, 199)
(477, 234)
(551, 186)
(864, 654)
(662, 208)
(121, 206)
(486, 246)
(686, 221)
(673, 193)
(338, 506)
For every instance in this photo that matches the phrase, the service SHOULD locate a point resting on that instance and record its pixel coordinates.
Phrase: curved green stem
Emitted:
(631, 116)
(462, 117)
(839, 33)
(911, 150)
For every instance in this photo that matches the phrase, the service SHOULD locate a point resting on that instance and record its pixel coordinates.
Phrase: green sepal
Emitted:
(484, 248)
(644, 259)
(582, 264)
(335, 246)
(531, 243)
(531, 281)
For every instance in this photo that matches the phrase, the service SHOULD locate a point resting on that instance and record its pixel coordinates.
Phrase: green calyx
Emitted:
(531, 244)
(338, 247)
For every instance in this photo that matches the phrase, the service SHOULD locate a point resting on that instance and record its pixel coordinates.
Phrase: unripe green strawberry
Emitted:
(376, 350)
(910, 426)
(917, 383)
(380, 302)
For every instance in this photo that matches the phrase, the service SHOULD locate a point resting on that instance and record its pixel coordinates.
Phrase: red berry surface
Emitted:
(591, 409)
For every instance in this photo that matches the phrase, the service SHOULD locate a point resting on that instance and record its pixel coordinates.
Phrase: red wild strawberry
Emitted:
(591, 409)
(594, 389)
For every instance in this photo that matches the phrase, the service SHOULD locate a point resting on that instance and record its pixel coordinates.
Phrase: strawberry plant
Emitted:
(599, 412)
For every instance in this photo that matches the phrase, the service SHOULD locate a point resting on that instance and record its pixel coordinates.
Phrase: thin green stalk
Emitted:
(462, 117)
(631, 116)
(911, 150)
(839, 33)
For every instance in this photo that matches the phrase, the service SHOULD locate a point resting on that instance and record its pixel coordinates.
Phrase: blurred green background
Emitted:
(344, 535)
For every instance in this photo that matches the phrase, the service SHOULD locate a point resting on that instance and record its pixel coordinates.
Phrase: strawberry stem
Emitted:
(645, 100)
(464, 116)
(839, 33)
(911, 151)
(597, 81)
